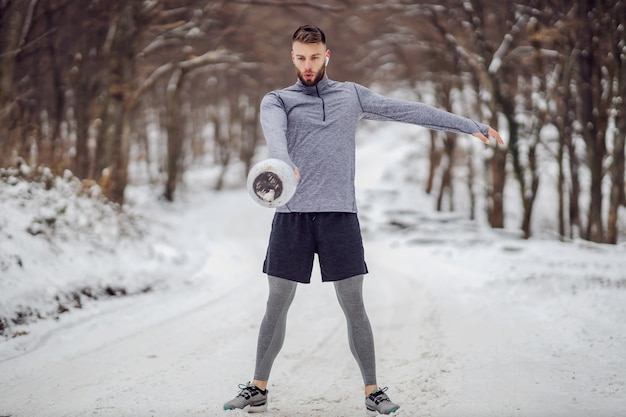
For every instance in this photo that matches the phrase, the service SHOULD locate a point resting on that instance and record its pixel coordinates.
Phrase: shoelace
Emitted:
(379, 396)
(247, 391)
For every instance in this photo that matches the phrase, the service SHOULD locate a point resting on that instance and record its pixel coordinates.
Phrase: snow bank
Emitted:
(62, 243)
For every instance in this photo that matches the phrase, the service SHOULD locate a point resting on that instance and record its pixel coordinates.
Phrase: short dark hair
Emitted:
(309, 34)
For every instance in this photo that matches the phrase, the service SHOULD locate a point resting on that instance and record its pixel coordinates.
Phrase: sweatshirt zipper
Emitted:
(323, 104)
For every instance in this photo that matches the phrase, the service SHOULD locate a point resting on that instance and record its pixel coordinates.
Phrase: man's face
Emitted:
(310, 61)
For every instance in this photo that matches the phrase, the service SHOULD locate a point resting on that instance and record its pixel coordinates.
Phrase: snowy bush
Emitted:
(42, 215)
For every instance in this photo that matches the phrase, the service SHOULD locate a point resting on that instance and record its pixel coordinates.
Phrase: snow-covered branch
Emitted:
(208, 58)
(505, 45)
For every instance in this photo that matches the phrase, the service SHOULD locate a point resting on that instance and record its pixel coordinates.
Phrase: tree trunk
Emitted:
(471, 176)
(618, 194)
(593, 113)
(11, 24)
(497, 162)
(251, 136)
(617, 187)
(87, 84)
(495, 200)
(575, 221)
(447, 186)
(113, 140)
(564, 122)
(530, 193)
(81, 105)
(560, 186)
(222, 153)
(56, 110)
(434, 158)
(174, 127)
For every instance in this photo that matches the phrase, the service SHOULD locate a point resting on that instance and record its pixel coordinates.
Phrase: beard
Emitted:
(312, 82)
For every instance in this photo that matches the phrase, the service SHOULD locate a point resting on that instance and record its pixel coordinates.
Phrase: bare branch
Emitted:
(30, 44)
(505, 45)
(27, 22)
(323, 7)
(208, 58)
(152, 79)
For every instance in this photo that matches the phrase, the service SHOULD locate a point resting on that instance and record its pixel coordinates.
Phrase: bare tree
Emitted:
(470, 32)
(15, 17)
(617, 196)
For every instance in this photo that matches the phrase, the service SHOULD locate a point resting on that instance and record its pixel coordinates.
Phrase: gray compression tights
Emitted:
(272, 332)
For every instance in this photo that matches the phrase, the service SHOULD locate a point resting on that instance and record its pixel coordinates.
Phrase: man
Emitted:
(311, 125)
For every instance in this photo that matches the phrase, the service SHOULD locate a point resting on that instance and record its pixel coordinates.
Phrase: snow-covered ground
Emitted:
(468, 321)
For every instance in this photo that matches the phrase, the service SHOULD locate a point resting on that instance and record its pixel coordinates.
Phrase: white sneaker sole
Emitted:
(374, 413)
(256, 408)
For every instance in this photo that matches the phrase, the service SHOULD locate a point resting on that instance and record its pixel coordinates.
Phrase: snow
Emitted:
(468, 321)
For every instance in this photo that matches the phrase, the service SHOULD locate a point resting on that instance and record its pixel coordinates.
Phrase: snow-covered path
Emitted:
(467, 323)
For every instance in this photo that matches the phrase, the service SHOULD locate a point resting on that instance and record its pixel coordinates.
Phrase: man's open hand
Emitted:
(492, 132)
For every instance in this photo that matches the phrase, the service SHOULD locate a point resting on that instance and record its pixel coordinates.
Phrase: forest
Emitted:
(94, 86)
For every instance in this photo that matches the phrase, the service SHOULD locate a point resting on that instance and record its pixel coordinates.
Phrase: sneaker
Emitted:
(251, 397)
(379, 403)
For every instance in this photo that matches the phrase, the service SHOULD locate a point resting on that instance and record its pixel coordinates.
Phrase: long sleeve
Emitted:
(379, 107)
(274, 125)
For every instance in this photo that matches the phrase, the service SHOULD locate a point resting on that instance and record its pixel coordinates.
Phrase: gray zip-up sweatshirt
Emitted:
(314, 128)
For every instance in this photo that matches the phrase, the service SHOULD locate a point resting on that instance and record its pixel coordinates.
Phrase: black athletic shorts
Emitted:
(297, 237)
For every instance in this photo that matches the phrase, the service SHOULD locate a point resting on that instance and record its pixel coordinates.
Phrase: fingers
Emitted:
(482, 137)
(495, 134)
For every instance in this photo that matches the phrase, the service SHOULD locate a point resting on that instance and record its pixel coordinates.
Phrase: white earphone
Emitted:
(327, 59)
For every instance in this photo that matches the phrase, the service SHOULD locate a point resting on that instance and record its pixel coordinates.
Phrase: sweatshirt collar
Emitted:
(321, 85)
